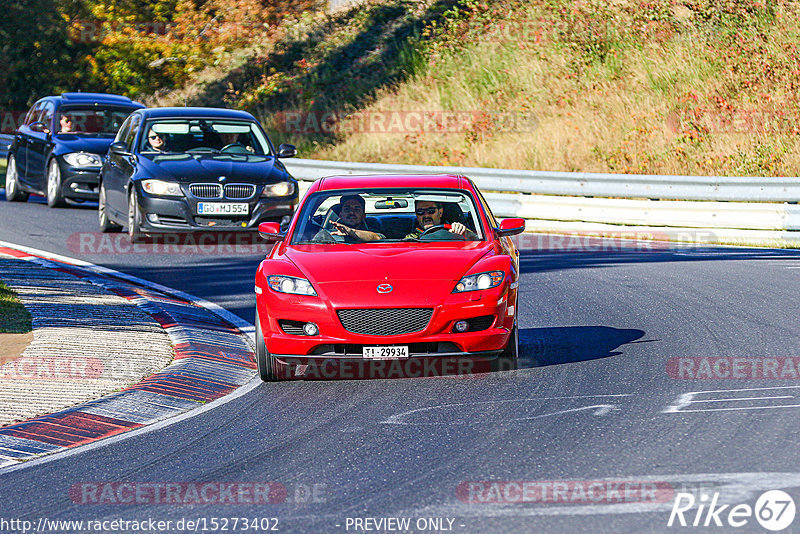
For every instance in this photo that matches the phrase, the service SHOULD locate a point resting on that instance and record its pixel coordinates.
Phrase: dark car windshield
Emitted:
(382, 216)
(199, 136)
(91, 120)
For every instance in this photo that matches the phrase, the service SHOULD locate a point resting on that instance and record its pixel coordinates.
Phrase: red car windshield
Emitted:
(380, 216)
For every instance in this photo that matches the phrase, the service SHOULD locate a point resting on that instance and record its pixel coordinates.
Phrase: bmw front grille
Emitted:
(239, 191)
(206, 190)
(229, 191)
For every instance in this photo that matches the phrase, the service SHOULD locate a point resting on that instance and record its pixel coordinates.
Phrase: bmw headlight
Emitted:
(158, 187)
(291, 285)
(83, 159)
(475, 282)
(281, 189)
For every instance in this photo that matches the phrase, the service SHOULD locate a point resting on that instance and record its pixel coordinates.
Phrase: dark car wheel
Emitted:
(106, 224)
(55, 198)
(134, 218)
(13, 193)
(267, 363)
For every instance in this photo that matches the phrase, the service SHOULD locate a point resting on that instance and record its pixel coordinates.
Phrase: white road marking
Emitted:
(685, 400)
(602, 409)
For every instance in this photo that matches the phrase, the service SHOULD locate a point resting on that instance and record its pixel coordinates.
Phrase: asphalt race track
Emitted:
(599, 399)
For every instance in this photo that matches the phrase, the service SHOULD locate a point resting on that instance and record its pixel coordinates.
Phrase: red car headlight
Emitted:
(291, 285)
(476, 282)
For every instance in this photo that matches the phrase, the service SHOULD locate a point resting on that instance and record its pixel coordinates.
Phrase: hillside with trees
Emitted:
(635, 86)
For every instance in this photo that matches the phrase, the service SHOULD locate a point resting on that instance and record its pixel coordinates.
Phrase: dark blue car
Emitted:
(58, 150)
(193, 169)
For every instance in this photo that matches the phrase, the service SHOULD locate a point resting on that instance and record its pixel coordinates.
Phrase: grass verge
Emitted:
(14, 318)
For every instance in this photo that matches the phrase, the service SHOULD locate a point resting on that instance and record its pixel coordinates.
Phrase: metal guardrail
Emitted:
(5, 142)
(619, 199)
(642, 186)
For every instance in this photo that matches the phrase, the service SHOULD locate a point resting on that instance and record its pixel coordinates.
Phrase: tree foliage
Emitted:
(132, 47)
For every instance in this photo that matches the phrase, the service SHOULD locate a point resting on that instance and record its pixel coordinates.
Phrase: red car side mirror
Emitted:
(271, 231)
(509, 227)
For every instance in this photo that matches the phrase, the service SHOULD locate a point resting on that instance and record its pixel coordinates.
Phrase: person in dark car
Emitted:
(157, 141)
(429, 214)
(352, 224)
(65, 124)
(233, 140)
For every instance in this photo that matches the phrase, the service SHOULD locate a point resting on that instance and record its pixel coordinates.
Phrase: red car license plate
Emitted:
(386, 353)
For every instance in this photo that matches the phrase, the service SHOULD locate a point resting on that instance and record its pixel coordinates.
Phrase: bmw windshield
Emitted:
(95, 120)
(204, 136)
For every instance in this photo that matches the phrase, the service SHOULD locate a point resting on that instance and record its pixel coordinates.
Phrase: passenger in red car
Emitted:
(351, 224)
(429, 214)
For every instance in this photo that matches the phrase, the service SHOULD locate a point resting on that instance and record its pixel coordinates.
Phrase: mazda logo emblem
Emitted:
(384, 288)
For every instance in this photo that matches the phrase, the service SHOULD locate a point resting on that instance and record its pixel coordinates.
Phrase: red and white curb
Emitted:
(213, 357)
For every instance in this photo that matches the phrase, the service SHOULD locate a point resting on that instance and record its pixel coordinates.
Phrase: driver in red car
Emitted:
(429, 214)
(352, 225)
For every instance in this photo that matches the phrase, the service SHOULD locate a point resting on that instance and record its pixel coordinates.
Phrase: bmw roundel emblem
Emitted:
(222, 178)
(384, 288)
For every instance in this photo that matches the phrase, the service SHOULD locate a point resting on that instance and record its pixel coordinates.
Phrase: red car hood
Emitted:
(420, 274)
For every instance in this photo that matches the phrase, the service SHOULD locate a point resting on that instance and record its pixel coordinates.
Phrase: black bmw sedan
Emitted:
(58, 149)
(192, 169)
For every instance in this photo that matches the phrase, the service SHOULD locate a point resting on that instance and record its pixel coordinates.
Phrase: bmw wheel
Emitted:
(106, 224)
(55, 198)
(267, 363)
(13, 193)
(134, 218)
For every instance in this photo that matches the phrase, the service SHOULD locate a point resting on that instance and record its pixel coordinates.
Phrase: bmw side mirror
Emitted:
(39, 127)
(119, 148)
(287, 151)
(509, 227)
(271, 231)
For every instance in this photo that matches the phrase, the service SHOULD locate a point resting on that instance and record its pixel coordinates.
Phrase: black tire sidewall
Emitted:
(106, 224)
(14, 194)
(57, 198)
(264, 360)
(134, 231)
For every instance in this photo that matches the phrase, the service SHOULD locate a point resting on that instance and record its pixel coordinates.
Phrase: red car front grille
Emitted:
(385, 321)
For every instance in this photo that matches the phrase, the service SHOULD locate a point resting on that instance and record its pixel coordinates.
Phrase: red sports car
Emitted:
(387, 276)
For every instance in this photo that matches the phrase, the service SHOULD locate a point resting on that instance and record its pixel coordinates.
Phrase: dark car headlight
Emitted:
(476, 282)
(161, 188)
(281, 189)
(291, 285)
(83, 159)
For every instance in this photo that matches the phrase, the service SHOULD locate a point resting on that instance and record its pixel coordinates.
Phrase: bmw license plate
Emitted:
(386, 353)
(223, 208)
